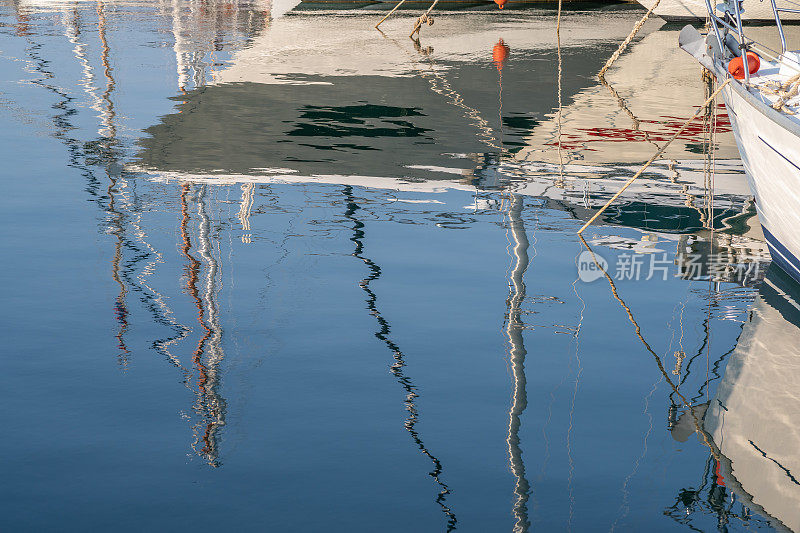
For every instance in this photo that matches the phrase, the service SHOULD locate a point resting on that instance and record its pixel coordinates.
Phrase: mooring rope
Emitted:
(627, 40)
(389, 14)
(656, 155)
(426, 18)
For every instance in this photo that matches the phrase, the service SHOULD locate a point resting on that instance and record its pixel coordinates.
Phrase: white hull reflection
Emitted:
(754, 418)
(677, 187)
(639, 105)
(278, 56)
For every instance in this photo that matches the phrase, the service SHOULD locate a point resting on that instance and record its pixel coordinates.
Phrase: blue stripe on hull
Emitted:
(781, 256)
(777, 152)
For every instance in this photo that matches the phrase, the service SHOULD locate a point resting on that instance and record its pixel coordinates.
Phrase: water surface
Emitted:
(297, 274)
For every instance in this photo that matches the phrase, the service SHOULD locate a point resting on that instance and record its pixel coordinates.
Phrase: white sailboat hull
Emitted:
(696, 10)
(771, 156)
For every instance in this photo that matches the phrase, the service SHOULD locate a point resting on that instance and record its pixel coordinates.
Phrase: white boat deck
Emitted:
(774, 73)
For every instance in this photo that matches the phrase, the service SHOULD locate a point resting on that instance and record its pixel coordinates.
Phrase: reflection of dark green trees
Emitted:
(397, 367)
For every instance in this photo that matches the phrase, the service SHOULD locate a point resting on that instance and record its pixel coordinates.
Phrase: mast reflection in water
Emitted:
(209, 406)
(399, 364)
(517, 353)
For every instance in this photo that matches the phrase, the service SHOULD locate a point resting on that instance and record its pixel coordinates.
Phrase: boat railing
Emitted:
(731, 22)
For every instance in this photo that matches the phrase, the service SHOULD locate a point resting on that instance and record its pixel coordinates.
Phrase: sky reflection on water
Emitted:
(298, 274)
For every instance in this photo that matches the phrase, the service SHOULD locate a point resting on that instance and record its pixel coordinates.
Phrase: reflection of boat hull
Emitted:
(639, 106)
(755, 414)
(310, 5)
(688, 10)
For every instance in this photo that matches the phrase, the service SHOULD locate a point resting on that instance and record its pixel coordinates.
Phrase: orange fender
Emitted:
(736, 66)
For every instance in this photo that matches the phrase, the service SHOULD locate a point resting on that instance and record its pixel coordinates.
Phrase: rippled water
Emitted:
(296, 274)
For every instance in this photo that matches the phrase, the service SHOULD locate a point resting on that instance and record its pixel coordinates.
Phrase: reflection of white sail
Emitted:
(754, 419)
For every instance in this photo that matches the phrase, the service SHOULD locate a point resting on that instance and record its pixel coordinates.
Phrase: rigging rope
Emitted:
(627, 40)
(656, 155)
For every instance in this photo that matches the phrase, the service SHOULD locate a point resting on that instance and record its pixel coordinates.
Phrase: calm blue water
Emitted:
(297, 275)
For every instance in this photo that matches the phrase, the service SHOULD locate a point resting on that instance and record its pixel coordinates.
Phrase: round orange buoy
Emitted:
(736, 66)
(500, 3)
(500, 54)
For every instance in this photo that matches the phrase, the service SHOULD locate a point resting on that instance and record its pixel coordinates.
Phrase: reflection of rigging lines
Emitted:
(105, 106)
(399, 358)
(623, 105)
(714, 368)
(79, 50)
(624, 507)
(108, 144)
(120, 305)
(440, 85)
(109, 113)
(716, 501)
(707, 152)
(578, 373)
(656, 357)
(691, 411)
(82, 156)
(104, 152)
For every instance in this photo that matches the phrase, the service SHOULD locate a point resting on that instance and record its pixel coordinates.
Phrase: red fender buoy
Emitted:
(500, 54)
(500, 3)
(736, 66)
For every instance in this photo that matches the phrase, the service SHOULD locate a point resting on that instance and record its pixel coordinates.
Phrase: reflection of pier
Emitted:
(397, 368)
